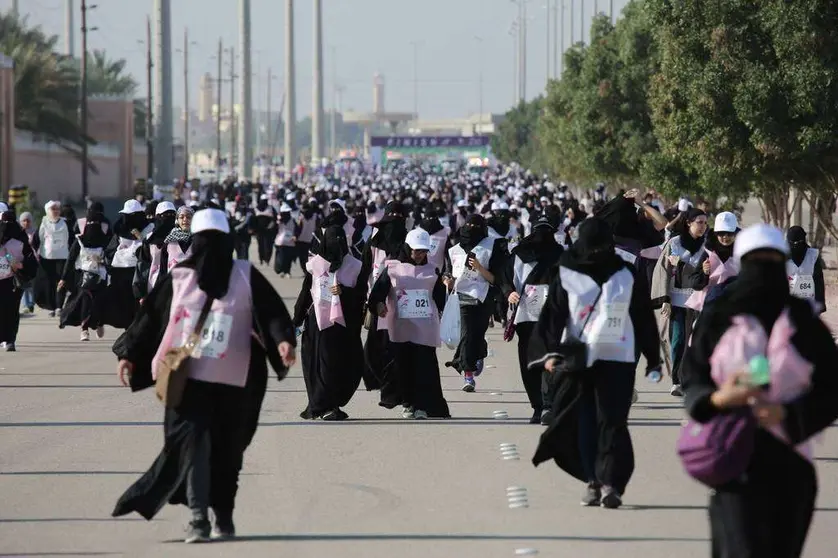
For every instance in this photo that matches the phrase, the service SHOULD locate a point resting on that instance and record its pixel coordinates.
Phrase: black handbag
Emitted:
(573, 354)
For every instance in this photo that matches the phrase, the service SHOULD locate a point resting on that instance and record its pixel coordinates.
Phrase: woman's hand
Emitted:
(448, 281)
(287, 354)
(705, 267)
(124, 369)
(550, 364)
(769, 414)
(514, 298)
(734, 392)
(475, 264)
(60, 285)
(666, 310)
(381, 310)
(674, 260)
(335, 290)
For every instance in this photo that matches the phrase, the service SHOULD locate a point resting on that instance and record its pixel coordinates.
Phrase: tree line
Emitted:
(720, 99)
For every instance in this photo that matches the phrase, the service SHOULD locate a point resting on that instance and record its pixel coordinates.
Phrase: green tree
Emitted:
(107, 77)
(516, 139)
(46, 85)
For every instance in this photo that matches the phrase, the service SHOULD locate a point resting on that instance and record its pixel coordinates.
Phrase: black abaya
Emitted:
(47, 295)
(418, 369)
(9, 310)
(332, 359)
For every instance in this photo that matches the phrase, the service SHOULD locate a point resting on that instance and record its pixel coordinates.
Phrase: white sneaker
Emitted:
(85, 335)
(100, 332)
(419, 414)
(676, 391)
(407, 413)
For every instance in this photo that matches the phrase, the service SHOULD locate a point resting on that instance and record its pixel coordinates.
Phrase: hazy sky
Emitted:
(368, 36)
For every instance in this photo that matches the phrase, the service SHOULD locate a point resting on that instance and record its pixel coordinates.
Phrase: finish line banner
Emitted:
(429, 141)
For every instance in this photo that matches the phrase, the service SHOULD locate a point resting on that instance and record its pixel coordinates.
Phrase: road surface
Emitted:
(376, 486)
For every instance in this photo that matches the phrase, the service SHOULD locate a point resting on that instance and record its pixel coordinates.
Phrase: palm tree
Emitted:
(46, 85)
(108, 77)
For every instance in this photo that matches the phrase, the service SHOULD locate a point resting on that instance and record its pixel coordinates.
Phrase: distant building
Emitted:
(206, 98)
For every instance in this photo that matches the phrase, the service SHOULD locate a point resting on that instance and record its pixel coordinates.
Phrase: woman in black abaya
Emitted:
(263, 224)
(207, 434)
(17, 266)
(379, 372)
(766, 513)
(121, 255)
(332, 358)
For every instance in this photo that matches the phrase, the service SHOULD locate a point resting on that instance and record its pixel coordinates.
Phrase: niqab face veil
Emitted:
(212, 260)
(333, 248)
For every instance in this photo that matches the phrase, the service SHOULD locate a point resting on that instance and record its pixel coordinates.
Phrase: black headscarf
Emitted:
(262, 205)
(713, 244)
(337, 217)
(500, 221)
(9, 227)
(796, 238)
(761, 289)
(163, 225)
(431, 224)
(691, 244)
(593, 252)
(212, 260)
(333, 247)
(540, 245)
(284, 217)
(473, 232)
(128, 222)
(392, 230)
(93, 235)
(621, 215)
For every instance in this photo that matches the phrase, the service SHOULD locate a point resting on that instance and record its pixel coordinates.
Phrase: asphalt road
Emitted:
(72, 440)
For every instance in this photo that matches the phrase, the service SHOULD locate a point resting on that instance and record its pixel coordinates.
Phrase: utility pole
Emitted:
(69, 28)
(233, 118)
(547, 19)
(84, 161)
(611, 12)
(218, 82)
(582, 21)
(149, 112)
(269, 127)
(415, 79)
(245, 133)
(572, 34)
(479, 41)
(522, 50)
(15, 8)
(186, 114)
(558, 37)
(333, 123)
(317, 87)
(290, 91)
(163, 97)
(516, 90)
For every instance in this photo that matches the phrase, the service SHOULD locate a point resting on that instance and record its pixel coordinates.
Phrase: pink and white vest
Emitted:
(284, 233)
(791, 374)
(175, 255)
(13, 248)
(223, 354)
(719, 273)
(436, 255)
(326, 306)
(412, 315)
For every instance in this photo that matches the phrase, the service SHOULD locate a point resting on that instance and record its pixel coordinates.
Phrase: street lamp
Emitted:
(84, 153)
(479, 41)
(186, 112)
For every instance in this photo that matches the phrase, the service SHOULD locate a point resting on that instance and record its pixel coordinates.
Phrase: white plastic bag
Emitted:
(449, 327)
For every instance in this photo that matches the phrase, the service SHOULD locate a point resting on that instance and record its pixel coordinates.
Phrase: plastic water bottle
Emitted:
(655, 376)
(760, 371)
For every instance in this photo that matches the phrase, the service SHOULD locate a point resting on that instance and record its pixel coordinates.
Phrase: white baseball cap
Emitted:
(210, 220)
(462, 203)
(418, 239)
(726, 222)
(285, 208)
(3, 207)
(131, 206)
(500, 206)
(163, 207)
(684, 204)
(760, 237)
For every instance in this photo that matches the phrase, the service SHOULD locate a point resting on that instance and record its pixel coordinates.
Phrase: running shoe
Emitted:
(224, 529)
(198, 531)
(9, 347)
(546, 417)
(469, 385)
(676, 391)
(479, 370)
(407, 413)
(52, 314)
(100, 332)
(536, 417)
(611, 498)
(85, 335)
(419, 414)
(592, 495)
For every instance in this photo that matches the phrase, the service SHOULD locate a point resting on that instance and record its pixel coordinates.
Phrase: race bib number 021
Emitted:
(414, 304)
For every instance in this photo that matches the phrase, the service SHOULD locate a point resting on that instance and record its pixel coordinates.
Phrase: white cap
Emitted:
(726, 222)
(263, 197)
(210, 220)
(462, 203)
(163, 207)
(131, 206)
(418, 239)
(3, 207)
(338, 202)
(760, 237)
(193, 194)
(290, 197)
(500, 206)
(684, 204)
(52, 203)
(285, 208)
